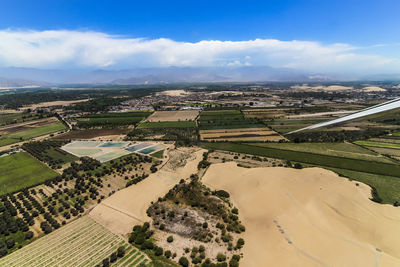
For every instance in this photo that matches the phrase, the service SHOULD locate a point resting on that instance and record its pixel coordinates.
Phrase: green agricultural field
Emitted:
(388, 187)
(141, 114)
(230, 126)
(31, 133)
(378, 144)
(310, 158)
(290, 122)
(112, 119)
(9, 118)
(158, 154)
(83, 242)
(21, 170)
(220, 117)
(233, 111)
(39, 131)
(167, 124)
(346, 150)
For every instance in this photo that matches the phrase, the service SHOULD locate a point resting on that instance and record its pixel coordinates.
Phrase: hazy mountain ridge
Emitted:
(14, 77)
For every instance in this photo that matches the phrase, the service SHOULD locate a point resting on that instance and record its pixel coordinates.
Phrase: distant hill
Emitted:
(159, 75)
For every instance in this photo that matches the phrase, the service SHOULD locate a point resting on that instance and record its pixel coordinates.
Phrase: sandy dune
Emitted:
(174, 92)
(306, 87)
(120, 212)
(54, 103)
(308, 217)
(373, 89)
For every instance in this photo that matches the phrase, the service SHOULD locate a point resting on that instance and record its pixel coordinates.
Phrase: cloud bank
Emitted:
(86, 49)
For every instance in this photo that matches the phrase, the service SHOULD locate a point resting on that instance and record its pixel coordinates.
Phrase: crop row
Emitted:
(81, 243)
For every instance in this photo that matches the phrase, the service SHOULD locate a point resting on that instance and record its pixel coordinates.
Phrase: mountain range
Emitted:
(22, 77)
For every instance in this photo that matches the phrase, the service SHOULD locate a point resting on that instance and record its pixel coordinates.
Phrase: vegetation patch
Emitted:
(21, 170)
(311, 158)
(346, 150)
(378, 144)
(191, 210)
(112, 119)
(49, 151)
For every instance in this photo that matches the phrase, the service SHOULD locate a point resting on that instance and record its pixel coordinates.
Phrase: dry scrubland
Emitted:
(299, 217)
(176, 115)
(80, 243)
(128, 206)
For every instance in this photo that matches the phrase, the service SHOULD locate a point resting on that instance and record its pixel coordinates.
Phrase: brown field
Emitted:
(261, 134)
(300, 217)
(127, 207)
(54, 103)
(104, 134)
(175, 115)
(13, 128)
(174, 92)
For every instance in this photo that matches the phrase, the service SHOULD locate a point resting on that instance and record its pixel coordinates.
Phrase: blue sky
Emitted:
(370, 30)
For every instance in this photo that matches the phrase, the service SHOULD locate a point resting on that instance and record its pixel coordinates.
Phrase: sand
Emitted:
(306, 87)
(176, 115)
(373, 89)
(54, 103)
(308, 217)
(127, 207)
(175, 92)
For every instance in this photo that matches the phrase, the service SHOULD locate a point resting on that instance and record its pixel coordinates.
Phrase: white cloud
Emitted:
(76, 49)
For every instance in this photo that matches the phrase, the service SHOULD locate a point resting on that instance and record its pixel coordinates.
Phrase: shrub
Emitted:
(240, 243)
(221, 257)
(10, 243)
(170, 239)
(28, 235)
(158, 251)
(106, 263)
(183, 261)
(222, 193)
(121, 251)
(298, 166)
(168, 254)
(3, 252)
(113, 257)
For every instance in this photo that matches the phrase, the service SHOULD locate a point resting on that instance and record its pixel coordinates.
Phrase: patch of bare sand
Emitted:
(308, 217)
(306, 87)
(54, 103)
(174, 92)
(120, 212)
(373, 89)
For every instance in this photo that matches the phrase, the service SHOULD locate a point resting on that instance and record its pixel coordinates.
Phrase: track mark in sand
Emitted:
(125, 213)
(298, 250)
(378, 253)
(283, 232)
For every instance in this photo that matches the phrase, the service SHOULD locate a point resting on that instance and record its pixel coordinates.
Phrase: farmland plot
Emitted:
(83, 242)
(27, 130)
(231, 125)
(176, 115)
